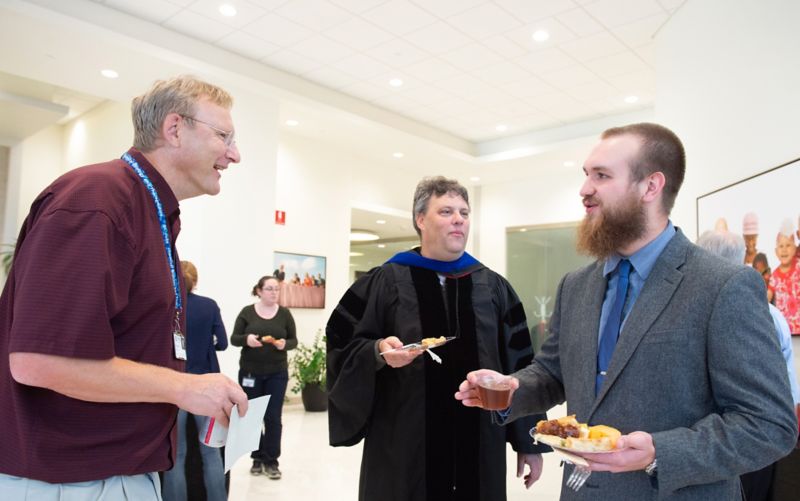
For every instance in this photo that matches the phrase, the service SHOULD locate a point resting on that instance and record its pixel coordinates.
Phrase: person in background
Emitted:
(205, 335)
(784, 284)
(761, 265)
(418, 443)
(658, 338)
(280, 273)
(750, 233)
(731, 247)
(91, 374)
(266, 331)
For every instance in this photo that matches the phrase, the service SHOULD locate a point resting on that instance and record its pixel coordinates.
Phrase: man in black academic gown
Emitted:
(420, 444)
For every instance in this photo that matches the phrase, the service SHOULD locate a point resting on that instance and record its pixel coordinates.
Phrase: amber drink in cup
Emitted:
(494, 392)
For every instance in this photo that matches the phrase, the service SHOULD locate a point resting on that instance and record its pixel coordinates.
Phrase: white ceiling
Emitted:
(466, 65)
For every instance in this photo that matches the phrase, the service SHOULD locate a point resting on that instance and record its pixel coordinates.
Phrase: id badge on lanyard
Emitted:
(178, 339)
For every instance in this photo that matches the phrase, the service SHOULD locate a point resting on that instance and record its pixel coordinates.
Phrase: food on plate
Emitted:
(568, 433)
(430, 341)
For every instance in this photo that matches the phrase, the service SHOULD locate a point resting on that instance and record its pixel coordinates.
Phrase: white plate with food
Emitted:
(568, 435)
(424, 344)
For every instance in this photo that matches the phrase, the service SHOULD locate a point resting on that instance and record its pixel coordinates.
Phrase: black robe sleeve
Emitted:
(360, 318)
(516, 352)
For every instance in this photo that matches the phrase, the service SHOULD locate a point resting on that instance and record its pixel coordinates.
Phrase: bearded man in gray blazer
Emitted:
(658, 338)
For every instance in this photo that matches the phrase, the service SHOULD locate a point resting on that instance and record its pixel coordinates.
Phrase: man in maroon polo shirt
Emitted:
(91, 316)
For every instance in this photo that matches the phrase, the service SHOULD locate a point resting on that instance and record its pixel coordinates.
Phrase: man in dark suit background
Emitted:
(659, 339)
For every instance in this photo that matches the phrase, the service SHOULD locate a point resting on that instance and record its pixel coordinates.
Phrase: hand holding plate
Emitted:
(390, 349)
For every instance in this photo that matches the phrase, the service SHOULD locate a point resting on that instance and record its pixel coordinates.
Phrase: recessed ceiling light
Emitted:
(569, 163)
(292, 123)
(501, 127)
(398, 154)
(381, 246)
(540, 35)
(523, 230)
(227, 10)
(356, 254)
(363, 235)
(380, 221)
(109, 73)
(631, 99)
(396, 82)
(474, 179)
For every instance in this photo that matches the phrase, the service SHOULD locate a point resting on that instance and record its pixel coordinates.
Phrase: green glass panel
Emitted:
(537, 258)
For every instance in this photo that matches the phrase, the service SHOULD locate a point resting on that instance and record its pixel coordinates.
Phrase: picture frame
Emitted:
(764, 209)
(302, 279)
(770, 195)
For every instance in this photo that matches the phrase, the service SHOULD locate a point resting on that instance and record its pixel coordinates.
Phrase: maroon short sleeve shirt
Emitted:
(90, 280)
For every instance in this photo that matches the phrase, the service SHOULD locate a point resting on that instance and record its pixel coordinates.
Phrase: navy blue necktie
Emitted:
(608, 339)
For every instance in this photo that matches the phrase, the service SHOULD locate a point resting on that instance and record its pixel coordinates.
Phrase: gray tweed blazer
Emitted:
(697, 365)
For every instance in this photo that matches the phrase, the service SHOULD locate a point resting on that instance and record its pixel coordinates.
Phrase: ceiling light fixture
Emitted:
(356, 254)
(631, 99)
(540, 35)
(109, 74)
(523, 230)
(362, 235)
(227, 10)
(396, 82)
(292, 123)
(381, 246)
(398, 154)
(501, 127)
(380, 221)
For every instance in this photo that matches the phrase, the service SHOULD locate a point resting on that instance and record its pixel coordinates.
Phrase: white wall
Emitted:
(549, 195)
(33, 164)
(728, 86)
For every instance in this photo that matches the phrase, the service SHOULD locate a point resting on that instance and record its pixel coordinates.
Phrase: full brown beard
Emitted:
(612, 228)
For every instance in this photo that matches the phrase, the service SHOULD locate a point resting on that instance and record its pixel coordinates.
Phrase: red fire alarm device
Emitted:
(280, 217)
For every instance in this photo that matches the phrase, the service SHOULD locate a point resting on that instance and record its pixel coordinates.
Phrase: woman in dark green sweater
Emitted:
(265, 331)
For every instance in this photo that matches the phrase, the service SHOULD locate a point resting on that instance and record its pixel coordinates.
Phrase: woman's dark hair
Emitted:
(760, 258)
(260, 283)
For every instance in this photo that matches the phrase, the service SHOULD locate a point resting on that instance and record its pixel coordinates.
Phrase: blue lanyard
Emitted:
(162, 221)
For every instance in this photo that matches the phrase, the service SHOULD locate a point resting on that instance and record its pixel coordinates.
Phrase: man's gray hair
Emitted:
(723, 243)
(177, 95)
(438, 186)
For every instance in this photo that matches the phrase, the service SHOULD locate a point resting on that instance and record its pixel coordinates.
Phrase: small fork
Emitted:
(578, 477)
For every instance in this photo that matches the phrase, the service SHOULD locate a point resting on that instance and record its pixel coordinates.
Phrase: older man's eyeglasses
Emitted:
(226, 136)
(270, 289)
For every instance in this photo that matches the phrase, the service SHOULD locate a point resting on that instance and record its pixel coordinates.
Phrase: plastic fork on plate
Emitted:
(578, 477)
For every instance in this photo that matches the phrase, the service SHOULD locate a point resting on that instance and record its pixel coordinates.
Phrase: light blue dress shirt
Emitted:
(643, 261)
(785, 338)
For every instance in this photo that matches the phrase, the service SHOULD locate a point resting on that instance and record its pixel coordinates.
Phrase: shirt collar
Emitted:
(165, 194)
(645, 258)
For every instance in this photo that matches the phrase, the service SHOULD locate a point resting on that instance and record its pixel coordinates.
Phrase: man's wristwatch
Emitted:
(652, 468)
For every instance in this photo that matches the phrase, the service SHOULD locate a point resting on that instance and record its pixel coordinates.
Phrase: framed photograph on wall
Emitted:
(765, 210)
(302, 279)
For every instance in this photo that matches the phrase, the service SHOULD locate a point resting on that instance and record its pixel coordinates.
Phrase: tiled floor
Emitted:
(312, 470)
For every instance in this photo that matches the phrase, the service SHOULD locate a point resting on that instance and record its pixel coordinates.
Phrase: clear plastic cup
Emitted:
(494, 392)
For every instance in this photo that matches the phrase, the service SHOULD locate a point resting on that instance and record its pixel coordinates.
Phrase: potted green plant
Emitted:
(7, 256)
(308, 369)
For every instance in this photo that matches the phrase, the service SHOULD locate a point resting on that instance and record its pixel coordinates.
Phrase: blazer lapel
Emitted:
(656, 294)
(591, 304)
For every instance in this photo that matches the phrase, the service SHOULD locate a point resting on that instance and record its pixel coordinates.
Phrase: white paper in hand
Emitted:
(244, 433)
